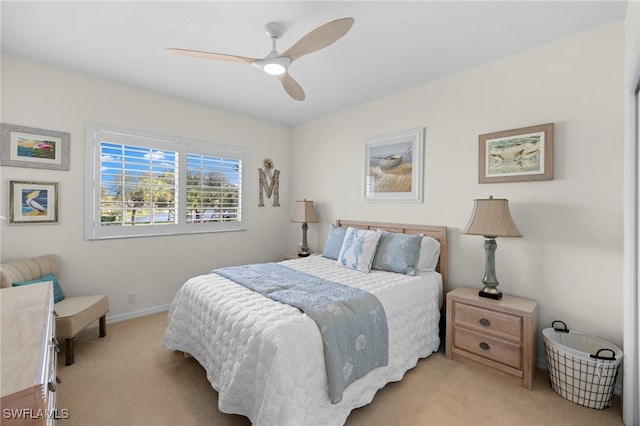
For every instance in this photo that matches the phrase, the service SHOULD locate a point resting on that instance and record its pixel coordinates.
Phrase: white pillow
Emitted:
(429, 254)
(358, 248)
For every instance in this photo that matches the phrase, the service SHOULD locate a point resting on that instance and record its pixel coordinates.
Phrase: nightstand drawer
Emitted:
(498, 323)
(494, 349)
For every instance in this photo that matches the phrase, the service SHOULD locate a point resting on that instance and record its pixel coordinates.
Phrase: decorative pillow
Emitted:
(358, 248)
(334, 242)
(58, 295)
(397, 253)
(429, 254)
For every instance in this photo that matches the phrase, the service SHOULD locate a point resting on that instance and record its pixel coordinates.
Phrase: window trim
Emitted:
(181, 145)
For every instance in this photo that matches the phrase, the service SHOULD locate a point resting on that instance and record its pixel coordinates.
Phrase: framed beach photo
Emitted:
(33, 202)
(524, 154)
(393, 167)
(30, 147)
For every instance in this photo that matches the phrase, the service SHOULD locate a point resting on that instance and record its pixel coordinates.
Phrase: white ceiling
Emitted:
(392, 45)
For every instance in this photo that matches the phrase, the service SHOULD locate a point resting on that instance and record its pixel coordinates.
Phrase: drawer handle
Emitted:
(52, 387)
(484, 346)
(485, 322)
(56, 344)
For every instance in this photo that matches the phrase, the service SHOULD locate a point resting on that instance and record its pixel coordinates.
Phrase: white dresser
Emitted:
(28, 355)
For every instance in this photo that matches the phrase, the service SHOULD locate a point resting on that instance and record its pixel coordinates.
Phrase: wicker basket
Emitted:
(582, 368)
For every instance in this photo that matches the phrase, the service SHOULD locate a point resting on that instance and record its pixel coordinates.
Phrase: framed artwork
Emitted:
(33, 202)
(524, 154)
(31, 147)
(393, 167)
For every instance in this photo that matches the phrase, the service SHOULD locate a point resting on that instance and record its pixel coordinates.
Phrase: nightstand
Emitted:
(498, 335)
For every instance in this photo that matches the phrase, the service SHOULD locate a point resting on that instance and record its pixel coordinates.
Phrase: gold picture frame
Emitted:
(518, 155)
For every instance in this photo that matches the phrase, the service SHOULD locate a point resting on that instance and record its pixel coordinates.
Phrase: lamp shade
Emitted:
(304, 212)
(491, 218)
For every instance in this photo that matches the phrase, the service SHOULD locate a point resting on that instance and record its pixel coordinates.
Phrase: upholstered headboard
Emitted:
(437, 232)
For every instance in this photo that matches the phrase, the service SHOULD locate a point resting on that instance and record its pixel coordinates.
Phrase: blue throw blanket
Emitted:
(352, 322)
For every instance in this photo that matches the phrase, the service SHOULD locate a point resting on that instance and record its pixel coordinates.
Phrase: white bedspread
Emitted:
(266, 359)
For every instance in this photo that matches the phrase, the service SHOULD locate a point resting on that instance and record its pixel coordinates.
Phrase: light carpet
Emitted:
(128, 378)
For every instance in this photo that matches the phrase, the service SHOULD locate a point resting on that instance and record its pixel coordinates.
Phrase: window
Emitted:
(140, 184)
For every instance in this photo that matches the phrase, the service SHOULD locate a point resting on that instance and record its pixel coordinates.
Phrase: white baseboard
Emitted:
(137, 314)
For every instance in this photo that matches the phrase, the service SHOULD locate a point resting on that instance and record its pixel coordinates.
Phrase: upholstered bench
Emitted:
(72, 313)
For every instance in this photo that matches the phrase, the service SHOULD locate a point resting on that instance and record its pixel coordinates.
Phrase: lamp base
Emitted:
(490, 293)
(303, 254)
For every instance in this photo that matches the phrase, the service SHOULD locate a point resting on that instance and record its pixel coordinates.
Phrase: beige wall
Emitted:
(570, 259)
(42, 96)
(631, 370)
(632, 34)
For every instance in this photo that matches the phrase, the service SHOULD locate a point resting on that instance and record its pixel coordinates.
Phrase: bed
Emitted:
(266, 358)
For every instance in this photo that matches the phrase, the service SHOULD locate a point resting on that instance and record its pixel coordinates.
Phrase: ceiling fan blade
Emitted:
(292, 87)
(319, 38)
(211, 55)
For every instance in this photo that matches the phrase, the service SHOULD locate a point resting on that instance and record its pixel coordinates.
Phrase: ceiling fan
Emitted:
(277, 64)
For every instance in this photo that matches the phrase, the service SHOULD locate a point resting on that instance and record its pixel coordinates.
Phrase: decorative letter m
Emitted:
(269, 188)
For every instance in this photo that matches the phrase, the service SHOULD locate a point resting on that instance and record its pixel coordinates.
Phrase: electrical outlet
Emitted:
(132, 297)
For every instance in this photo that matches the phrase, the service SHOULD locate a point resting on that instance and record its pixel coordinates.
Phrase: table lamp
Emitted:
(491, 219)
(304, 213)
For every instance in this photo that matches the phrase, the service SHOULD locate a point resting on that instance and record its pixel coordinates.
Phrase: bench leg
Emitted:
(103, 326)
(68, 351)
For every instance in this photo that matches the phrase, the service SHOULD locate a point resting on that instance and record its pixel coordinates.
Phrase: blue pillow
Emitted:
(58, 295)
(397, 253)
(334, 242)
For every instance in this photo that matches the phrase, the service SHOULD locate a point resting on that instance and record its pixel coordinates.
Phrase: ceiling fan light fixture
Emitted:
(277, 64)
(274, 69)
(274, 66)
